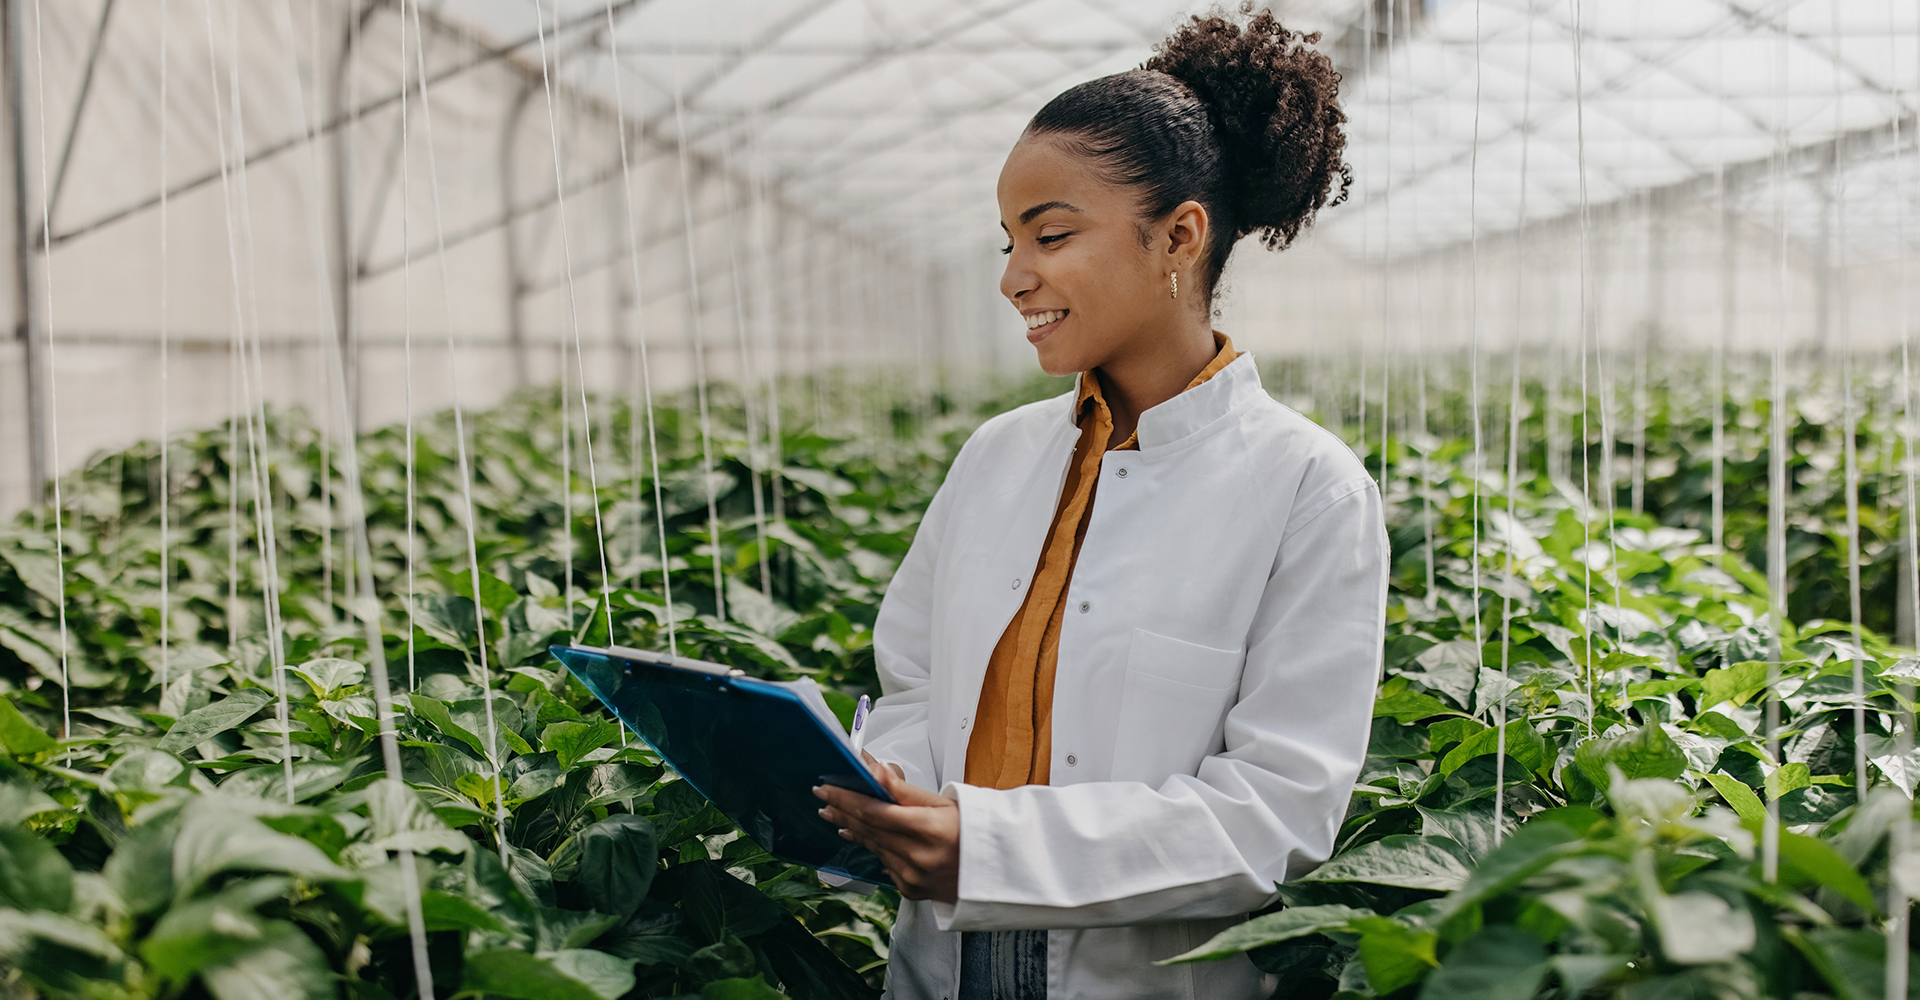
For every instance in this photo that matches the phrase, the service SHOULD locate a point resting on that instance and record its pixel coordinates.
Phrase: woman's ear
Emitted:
(1187, 234)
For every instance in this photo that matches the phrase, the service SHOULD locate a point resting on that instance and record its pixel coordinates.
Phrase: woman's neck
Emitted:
(1136, 381)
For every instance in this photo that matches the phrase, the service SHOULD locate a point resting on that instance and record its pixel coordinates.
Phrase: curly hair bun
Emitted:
(1274, 103)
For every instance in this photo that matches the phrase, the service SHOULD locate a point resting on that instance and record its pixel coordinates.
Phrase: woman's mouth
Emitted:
(1042, 324)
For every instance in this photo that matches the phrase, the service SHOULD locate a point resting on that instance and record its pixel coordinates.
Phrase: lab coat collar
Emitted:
(1187, 413)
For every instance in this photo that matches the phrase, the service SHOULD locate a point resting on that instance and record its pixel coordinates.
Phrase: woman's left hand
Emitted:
(918, 840)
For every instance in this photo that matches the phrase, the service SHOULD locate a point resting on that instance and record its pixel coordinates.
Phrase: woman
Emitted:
(1141, 713)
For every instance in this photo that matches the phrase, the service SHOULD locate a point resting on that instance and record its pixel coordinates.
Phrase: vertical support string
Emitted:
(1584, 327)
(640, 321)
(166, 397)
(748, 387)
(53, 400)
(263, 530)
(463, 462)
(1850, 419)
(1513, 525)
(1473, 402)
(359, 555)
(573, 317)
(1777, 483)
(697, 330)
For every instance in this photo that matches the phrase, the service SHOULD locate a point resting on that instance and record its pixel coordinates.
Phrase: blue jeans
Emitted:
(1003, 965)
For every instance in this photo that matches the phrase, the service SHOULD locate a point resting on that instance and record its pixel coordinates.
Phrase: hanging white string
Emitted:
(1386, 255)
(53, 400)
(166, 435)
(697, 329)
(1585, 322)
(1849, 423)
(1716, 375)
(573, 316)
(1777, 483)
(1513, 525)
(410, 456)
(1900, 837)
(463, 461)
(260, 462)
(640, 325)
(771, 326)
(359, 554)
(748, 386)
(1473, 396)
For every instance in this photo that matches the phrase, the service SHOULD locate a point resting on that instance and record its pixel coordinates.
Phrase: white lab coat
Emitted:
(1211, 705)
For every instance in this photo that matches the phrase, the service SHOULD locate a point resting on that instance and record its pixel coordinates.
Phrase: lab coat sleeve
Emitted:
(1265, 808)
(897, 730)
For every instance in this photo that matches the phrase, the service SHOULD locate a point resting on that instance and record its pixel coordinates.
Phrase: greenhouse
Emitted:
(443, 442)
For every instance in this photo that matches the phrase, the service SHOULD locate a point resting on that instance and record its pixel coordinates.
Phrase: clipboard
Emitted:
(753, 748)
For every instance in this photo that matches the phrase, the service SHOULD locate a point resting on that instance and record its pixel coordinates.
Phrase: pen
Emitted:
(860, 724)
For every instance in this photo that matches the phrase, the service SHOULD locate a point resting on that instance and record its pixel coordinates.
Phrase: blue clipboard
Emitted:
(753, 748)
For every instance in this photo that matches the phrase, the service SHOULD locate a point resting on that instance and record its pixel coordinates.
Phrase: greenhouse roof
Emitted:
(1670, 95)
(895, 116)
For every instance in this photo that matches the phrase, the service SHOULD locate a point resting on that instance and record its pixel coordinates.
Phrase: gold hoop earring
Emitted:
(1176, 284)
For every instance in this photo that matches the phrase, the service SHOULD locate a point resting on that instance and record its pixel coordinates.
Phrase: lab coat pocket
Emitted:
(1173, 708)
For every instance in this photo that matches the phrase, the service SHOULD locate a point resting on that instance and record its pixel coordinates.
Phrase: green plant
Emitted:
(1629, 658)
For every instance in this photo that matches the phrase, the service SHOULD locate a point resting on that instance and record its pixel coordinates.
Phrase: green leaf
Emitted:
(328, 675)
(1736, 683)
(1524, 744)
(1788, 777)
(74, 958)
(220, 835)
(141, 868)
(1659, 688)
(1816, 861)
(1498, 963)
(288, 967)
(495, 593)
(435, 712)
(1853, 962)
(608, 976)
(1740, 798)
(1523, 853)
(1647, 752)
(1395, 955)
(219, 928)
(198, 726)
(20, 737)
(510, 972)
(1271, 928)
(1410, 706)
(40, 571)
(740, 989)
(618, 858)
(33, 874)
(571, 741)
(1406, 861)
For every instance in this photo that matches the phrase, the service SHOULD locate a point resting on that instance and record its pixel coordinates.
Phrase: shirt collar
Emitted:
(1089, 396)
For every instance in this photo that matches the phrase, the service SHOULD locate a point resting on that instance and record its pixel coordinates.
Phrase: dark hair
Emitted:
(1244, 120)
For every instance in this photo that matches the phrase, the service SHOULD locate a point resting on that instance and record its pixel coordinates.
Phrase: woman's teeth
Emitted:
(1042, 319)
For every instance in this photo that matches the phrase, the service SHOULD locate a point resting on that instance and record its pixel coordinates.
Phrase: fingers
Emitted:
(887, 774)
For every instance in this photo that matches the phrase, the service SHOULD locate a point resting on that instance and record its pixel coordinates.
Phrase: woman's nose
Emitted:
(1017, 280)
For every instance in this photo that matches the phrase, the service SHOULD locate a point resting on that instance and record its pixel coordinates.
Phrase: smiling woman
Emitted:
(1143, 714)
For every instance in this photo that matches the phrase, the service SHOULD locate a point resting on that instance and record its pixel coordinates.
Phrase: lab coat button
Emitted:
(1072, 760)
(1016, 583)
(963, 722)
(1086, 606)
(1122, 473)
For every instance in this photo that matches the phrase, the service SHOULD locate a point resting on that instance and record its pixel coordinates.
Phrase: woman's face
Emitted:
(1076, 267)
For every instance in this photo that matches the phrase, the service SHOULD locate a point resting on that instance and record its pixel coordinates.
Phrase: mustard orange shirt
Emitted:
(1012, 742)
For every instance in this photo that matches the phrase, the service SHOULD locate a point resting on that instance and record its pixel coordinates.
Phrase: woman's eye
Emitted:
(1051, 240)
(1007, 249)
